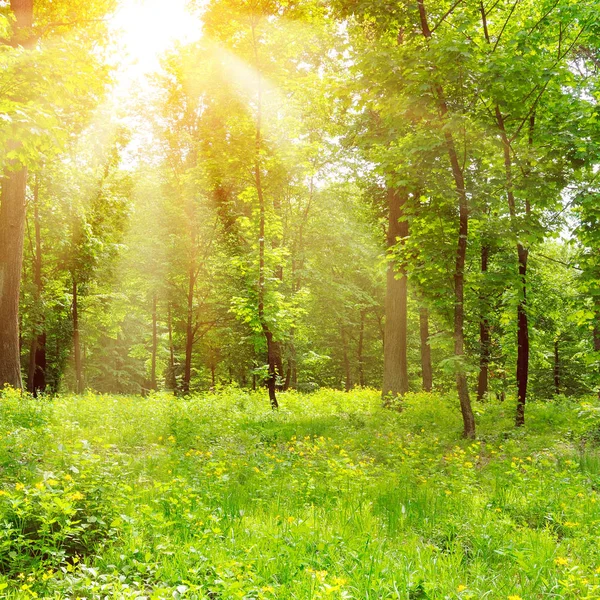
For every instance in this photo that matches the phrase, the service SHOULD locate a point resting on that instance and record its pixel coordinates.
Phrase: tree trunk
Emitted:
(395, 361)
(153, 385)
(36, 376)
(361, 343)
(189, 333)
(461, 251)
(522, 255)
(484, 336)
(12, 229)
(426, 370)
(556, 368)
(346, 361)
(171, 380)
(268, 334)
(596, 334)
(79, 384)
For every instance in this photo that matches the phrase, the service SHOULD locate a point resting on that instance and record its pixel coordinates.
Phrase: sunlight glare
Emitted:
(145, 29)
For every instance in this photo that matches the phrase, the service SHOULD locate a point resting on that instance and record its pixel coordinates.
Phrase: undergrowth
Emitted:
(218, 497)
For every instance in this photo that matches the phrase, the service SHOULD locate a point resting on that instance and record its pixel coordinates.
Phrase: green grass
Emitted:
(218, 497)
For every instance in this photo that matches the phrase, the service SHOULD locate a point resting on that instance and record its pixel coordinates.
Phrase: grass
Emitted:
(218, 497)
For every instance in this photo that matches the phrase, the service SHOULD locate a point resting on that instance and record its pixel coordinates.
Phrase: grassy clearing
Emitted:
(217, 497)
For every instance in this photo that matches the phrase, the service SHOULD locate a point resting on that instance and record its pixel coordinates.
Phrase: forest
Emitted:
(300, 299)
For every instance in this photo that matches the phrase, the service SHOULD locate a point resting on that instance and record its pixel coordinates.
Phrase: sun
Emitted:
(145, 29)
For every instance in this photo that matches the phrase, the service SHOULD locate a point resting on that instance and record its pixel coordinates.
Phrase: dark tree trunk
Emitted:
(484, 335)
(522, 254)
(153, 385)
(426, 370)
(395, 361)
(272, 357)
(596, 334)
(36, 376)
(12, 229)
(189, 333)
(213, 375)
(361, 343)
(556, 368)
(522, 339)
(461, 250)
(79, 384)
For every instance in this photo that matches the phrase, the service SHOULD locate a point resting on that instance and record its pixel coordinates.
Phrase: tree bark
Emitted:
(346, 360)
(426, 370)
(79, 383)
(12, 229)
(596, 334)
(484, 335)
(461, 251)
(171, 380)
(395, 356)
(189, 333)
(36, 376)
(153, 385)
(556, 368)
(522, 256)
(272, 358)
(361, 343)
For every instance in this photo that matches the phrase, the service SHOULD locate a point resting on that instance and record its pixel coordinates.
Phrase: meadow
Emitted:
(218, 497)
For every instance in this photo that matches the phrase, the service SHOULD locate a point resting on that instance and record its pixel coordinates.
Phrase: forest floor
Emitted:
(218, 497)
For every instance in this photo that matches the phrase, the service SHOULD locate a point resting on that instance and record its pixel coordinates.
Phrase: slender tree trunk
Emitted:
(556, 368)
(596, 334)
(461, 251)
(268, 334)
(395, 361)
(522, 256)
(213, 375)
(153, 385)
(171, 379)
(346, 360)
(484, 335)
(79, 383)
(12, 230)
(361, 343)
(426, 370)
(36, 377)
(189, 333)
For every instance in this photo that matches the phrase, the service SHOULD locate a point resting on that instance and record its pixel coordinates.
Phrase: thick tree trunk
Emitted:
(426, 369)
(189, 333)
(12, 230)
(484, 336)
(153, 385)
(395, 360)
(79, 383)
(36, 375)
